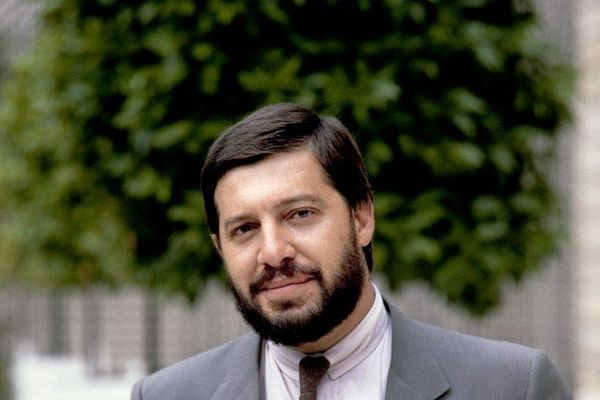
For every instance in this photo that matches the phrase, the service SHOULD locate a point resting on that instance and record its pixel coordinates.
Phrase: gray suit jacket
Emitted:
(427, 363)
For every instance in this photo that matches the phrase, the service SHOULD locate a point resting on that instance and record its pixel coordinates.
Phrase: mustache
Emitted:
(287, 268)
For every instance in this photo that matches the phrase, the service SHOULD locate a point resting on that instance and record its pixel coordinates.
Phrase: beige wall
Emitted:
(586, 200)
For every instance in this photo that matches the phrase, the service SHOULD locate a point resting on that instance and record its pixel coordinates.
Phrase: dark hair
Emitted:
(282, 128)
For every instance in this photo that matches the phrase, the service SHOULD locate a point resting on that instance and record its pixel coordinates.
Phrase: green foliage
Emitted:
(104, 127)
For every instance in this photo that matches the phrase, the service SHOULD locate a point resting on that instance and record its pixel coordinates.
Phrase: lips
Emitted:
(288, 277)
(280, 282)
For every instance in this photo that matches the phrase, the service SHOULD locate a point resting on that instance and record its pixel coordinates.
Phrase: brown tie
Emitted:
(312, 369)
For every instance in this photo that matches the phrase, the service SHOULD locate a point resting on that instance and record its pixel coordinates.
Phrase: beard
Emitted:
(337, 300)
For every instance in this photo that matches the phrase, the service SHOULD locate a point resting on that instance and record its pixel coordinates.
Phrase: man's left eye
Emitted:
(303, 214)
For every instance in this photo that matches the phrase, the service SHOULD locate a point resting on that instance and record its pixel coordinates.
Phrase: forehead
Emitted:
(270, 180)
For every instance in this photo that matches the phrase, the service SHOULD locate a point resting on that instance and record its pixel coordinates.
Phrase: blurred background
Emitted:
(479, 124)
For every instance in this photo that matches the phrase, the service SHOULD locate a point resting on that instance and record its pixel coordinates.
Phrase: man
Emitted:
(290, 211)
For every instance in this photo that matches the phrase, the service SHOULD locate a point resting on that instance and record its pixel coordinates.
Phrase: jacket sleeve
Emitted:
(545, 382)
(136, 391)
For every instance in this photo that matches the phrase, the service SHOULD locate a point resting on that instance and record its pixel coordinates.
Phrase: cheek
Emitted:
(240, 267)
(327, 247)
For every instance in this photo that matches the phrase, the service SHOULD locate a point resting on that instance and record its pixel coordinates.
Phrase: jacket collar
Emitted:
(414, 372)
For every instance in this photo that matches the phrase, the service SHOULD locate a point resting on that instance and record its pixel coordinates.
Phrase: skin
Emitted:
(282, 209)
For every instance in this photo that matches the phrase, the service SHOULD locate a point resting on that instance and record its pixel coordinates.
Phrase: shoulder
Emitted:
(476, 367)
(451, 346)
(203, 373)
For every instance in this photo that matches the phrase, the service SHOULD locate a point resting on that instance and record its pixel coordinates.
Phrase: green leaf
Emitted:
(465, 155)
(172, 134)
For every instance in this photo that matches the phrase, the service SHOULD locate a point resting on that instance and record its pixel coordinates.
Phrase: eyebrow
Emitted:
(282, 204)
(309, 198)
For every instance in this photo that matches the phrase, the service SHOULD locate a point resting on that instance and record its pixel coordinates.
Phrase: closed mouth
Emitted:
(281, 282)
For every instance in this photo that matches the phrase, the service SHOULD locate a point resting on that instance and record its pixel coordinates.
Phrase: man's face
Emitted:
(291, 247)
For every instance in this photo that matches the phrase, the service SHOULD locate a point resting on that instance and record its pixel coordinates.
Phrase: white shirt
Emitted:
(359, 362)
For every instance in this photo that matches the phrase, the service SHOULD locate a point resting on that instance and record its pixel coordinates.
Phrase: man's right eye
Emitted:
(242, 229)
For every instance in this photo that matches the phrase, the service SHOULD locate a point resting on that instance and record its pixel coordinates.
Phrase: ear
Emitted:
(364, 223)
(216, 243)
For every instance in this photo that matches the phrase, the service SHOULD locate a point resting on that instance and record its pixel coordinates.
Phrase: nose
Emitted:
(275, 246)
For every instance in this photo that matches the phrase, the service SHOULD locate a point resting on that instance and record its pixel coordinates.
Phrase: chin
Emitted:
(289, 311)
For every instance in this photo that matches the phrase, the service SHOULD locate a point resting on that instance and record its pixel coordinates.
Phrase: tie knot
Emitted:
(312, 369)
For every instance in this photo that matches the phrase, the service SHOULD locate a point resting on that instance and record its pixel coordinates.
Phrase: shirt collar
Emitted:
(348, 352)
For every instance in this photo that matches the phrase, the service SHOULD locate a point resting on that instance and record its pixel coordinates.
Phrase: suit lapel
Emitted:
(243, 376)
(240, 389)
(398, 389)
(414, 373)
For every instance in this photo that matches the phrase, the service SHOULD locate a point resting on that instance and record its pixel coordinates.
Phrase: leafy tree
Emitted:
(455, 103)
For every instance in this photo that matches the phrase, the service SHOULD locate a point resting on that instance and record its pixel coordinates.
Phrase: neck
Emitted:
(364, 304)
